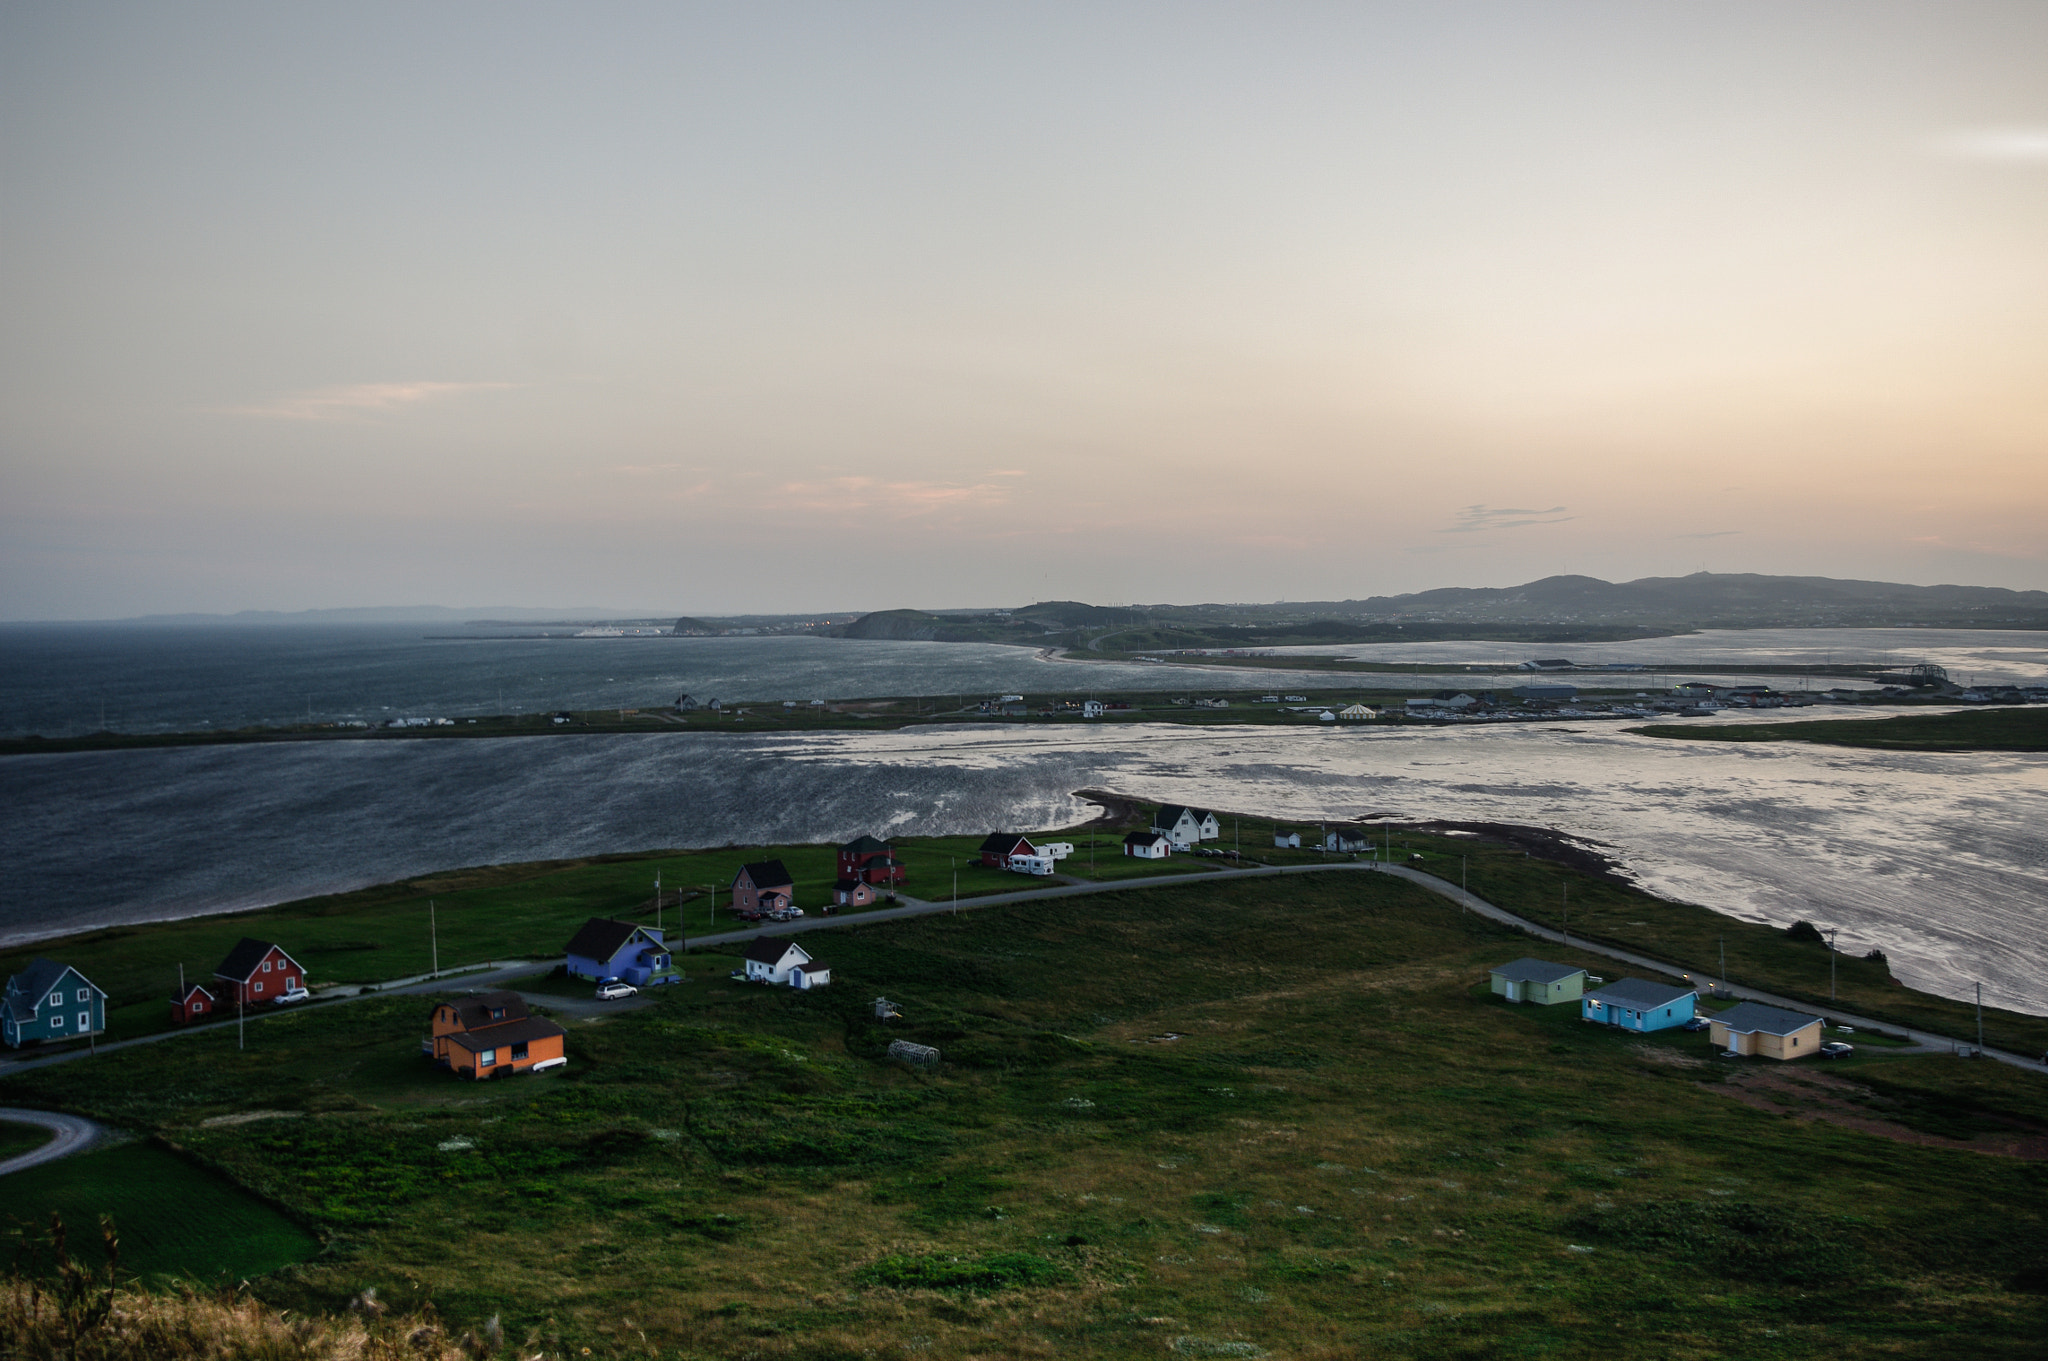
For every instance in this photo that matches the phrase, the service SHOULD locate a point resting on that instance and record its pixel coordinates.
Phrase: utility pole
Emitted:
(1463, 886)
(956, 881)
(241, 1027)
(1980, 1020)
(1831, 962)
(657, 902)
(1724, 961)
(1567, 914)
(434, 936)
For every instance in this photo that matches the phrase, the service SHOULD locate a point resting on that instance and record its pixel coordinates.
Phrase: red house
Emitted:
(870, 861)
(196, 1002)
(1000, 846)
(256, 973)
(764, 886)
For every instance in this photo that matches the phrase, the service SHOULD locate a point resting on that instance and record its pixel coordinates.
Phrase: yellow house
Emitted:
(1539, 981)
(1753, 1029)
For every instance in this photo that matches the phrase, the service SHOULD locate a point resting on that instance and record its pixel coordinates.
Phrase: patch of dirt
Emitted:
(1809, 1096)
(248, 1118)
(1651, 1053)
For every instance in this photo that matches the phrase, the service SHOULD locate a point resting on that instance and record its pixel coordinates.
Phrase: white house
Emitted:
(1287, 841)
(1186, 826)
(1346, 841)
(778, 959)
(1091, 708)
(1147, 846)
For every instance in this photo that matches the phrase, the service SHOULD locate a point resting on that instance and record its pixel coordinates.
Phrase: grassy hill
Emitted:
(2001, 729)
(1217, 1119)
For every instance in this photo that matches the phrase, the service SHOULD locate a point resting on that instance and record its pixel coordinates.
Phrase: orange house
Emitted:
(492, 1033)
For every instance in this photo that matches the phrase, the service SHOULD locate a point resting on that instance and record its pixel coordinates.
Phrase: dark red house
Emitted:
(1000, 846)
(870, 862)
(194, 1005)
(256, 973)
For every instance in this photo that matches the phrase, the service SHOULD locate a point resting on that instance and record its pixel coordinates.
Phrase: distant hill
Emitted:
(1558, 609)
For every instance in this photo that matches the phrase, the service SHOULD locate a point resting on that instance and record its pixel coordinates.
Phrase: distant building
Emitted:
(777, 959)
(480, 1037)
(1091, 708)
(192, 1004)
(852, 893)
(1148, 845)
(1287, 841)
(606, 948)
(50, 1001)
(1186, 826)
(1548, 664)
(1538, 980)
(1635, 1004)
(1356, 712)
(871, 861)
(256, 972)
(1751, 1028)
(761, 887)
(998, 847)
(1547, 690)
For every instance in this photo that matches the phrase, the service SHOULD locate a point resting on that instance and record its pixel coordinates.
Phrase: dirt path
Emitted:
(69, 1134)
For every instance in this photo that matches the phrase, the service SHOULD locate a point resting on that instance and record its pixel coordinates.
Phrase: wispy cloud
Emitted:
(2022, 145)
(354, 401)
(1708, 534)
(1473, 519)
(871, 496)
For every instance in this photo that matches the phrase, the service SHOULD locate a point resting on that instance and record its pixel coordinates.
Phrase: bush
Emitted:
(1806, 931)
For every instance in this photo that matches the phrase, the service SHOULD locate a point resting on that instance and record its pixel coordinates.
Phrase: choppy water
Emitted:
(1941, 860)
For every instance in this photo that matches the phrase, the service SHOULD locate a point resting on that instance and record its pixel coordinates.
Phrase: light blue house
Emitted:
(50, 1001)
(605, 948)
(1636, 1004)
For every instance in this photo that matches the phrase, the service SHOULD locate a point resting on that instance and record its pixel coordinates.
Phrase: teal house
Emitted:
(50, 1001)
(1538, 981)
(1635, 1004)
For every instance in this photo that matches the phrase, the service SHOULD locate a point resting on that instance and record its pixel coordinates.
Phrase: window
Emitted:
(487, 1058)
(518, 1053)
(497, 1013)
(84, 995)
(57, 998)
(266, 966)
(85, 1020)
(56, 1022)
(259, 987)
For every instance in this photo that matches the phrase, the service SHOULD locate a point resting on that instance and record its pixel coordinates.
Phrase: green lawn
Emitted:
(1187, 1120)
(172, 1218)
(17, 1139)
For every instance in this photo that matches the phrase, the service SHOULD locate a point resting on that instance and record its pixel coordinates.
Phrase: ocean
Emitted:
(1941, 860)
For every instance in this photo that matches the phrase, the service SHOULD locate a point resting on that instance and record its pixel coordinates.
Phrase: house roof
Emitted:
(242, 960)
(1002, 843)
(601, 938)
(1143, 839)
(186, 995)
(865, 845)
(766, 874)
(1527, 970)
(474, 1013)
(1638, 992)
(33, 984)
(1746, 1018)
(844, 885)
(771, 949)
(1170, 813)
(810, 966)
(511, 1032)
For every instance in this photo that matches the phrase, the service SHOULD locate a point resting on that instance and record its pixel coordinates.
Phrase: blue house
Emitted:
(1636, 1004)
(50, 1001)
(605, 948)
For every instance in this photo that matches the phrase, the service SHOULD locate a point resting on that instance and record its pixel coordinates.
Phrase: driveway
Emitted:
(72, 1134)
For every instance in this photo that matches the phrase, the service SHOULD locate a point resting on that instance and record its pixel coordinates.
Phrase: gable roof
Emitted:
(810, 966)
(474, 1013)
(511, 1032)
(32, 985)
(865, 845)
(1746, 1018)
(1527, 970)
(766, 874)
(1638, 992)
(601, 938)
(769, 950)
(241, 962)
(186, 995)
(1170, 813)
(1002, 843)
(1143, 838)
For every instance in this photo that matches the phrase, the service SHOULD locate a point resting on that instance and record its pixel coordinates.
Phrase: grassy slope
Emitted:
(2001, 729)
(173, 1218)
(1353, 1147)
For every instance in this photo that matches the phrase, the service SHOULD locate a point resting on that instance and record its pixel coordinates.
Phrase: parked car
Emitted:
(612, 989)
(1835, 1049)
(292, 995)
(1697, 1023)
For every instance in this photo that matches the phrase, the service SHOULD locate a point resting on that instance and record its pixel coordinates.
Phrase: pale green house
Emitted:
(1540, 981)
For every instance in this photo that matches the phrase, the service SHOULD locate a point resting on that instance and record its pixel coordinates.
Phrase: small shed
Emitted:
(1148, 845)
(1539, 981)
(852, 893)
(1753, 1029)
(921, 1055)
(1638, 1004)
(1287, 841)
(195, 1002)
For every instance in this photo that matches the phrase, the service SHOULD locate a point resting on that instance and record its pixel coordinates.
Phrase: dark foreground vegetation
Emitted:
(1266, 1117)
(2001, 729)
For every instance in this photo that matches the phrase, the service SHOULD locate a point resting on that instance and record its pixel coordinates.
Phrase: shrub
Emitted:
(1805, 931)
(933, 1271)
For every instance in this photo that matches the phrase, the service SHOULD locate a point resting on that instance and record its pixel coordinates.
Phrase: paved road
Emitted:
(71, 1134)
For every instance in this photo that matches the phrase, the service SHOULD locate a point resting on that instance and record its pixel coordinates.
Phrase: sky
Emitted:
(788, 307)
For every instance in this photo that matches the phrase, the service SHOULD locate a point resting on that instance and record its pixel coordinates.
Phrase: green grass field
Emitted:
(173, 1219)
(1199, 1119)
(2000, 729)
(17, 1139)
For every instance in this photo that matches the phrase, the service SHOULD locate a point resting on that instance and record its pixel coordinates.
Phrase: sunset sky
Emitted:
(790, 306)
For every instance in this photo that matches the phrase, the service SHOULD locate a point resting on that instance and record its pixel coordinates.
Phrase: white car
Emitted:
(613, 990)
(286, 998)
